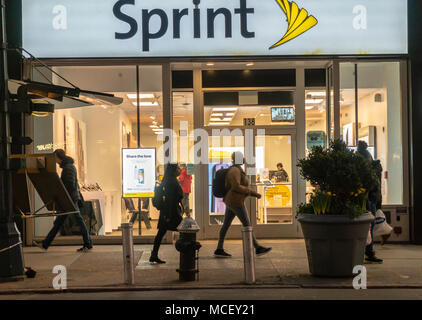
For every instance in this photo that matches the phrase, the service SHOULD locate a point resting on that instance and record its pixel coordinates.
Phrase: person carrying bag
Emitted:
(167, 199)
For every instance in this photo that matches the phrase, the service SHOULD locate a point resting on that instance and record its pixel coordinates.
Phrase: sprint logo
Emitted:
(298, 21)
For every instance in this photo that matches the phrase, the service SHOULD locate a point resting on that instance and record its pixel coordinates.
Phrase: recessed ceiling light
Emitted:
(224, 109)
(250, 64)
(313, 101)
(219, 123)
(210, 64)
(146, 104)
(230, 114)
(321, 93)
(216, 115)
(309, 107)
(215, 119)
(153, 126)
(141, 96)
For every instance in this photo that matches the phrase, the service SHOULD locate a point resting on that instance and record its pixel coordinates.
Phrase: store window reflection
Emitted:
(347, 104)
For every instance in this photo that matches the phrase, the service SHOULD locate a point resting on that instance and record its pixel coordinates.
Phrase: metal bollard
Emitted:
(128, 253)
(248, 255)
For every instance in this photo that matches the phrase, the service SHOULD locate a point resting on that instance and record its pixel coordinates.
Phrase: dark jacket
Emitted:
(70, 180)
(375, 192)
(171, 214)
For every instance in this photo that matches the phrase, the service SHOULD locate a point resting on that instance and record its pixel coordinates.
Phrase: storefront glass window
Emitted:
(316, 123)
(183, 146)
(220, 149)
(94, 137)
(274, 179)
(347, 104)
(380, 118)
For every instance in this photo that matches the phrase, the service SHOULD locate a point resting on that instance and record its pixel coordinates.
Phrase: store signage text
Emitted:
(188, 28)
(243, 11)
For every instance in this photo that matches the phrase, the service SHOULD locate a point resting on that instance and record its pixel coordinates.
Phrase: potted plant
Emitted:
(335, 222)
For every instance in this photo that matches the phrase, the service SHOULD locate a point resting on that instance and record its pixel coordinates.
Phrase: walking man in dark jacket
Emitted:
(370, 256)
(70, 181)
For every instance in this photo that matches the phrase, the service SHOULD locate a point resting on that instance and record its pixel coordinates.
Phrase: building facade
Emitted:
(269, 78)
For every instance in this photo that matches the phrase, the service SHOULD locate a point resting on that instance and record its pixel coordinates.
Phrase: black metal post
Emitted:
(11, 260)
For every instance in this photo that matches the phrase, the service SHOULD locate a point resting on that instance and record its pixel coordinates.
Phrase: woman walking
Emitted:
(170, 211)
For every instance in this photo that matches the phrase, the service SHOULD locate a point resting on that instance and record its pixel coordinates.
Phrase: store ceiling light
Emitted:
(219, 123)
(220, 119)
(146, 104)
(210, 64)
(230, 114)
(141, 96)
(153, 126)
(250, 64)
(318, 94)
(309, 107)
(217, 114)
(224, 109)
(314, 101)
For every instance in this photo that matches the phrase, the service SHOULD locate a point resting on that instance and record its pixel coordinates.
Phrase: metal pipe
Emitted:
(128, 253)
(248, 255)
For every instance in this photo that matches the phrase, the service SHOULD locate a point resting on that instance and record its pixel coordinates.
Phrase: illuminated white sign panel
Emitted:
(178, 28)
(139, 170)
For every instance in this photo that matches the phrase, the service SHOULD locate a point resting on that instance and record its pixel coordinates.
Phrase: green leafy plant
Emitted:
(342, 178)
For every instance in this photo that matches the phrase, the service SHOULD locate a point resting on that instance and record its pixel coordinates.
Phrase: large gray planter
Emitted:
(335, 244)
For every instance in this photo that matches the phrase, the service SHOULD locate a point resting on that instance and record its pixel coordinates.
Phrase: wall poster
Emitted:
(139, 173)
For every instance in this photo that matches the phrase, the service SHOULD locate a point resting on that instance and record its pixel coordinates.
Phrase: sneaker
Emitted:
(39, 245)
(155, 259)
(372, 260)
(220, 253)
(84, 249)
(260, 251)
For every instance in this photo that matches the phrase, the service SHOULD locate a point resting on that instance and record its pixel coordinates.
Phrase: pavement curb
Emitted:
(167, 288)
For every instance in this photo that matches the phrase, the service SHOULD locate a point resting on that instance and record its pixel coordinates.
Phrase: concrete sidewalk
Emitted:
(285, 266)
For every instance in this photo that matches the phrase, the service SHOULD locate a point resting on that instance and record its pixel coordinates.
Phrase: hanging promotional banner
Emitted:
(186, 28)
(139, 173)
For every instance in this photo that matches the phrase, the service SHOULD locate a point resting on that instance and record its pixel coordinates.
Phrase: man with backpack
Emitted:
(232, 185)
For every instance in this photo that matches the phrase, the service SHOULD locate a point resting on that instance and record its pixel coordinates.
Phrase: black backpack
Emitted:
(159, 197)
(219, 183)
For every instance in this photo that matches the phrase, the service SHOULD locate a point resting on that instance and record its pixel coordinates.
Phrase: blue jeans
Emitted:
(230, 214)
(58, 223)
(369, 249)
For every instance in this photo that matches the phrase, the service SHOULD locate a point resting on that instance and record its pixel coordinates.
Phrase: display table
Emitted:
(100, 196)
(276, 200)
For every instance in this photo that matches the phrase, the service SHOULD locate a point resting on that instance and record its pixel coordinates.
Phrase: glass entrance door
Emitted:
(275, 179)
(271, 169)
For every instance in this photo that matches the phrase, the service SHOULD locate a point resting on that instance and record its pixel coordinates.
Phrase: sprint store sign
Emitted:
(186, 28)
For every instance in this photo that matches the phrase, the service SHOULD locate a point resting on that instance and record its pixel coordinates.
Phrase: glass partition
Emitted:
(274, 179)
